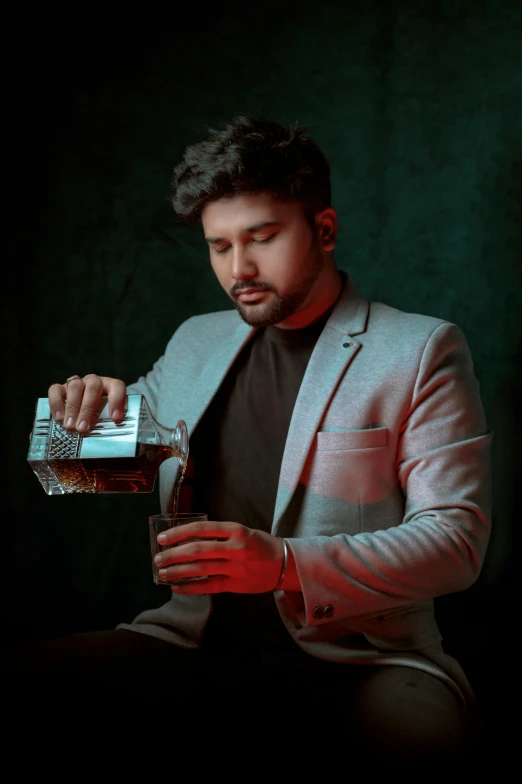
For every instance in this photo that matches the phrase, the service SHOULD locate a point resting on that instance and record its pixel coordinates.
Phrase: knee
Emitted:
(408, 717)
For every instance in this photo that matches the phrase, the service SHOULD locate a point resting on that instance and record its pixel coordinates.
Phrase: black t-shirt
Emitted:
(237, 449)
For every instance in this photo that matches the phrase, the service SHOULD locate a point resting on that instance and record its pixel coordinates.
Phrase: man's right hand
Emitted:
(76, 403)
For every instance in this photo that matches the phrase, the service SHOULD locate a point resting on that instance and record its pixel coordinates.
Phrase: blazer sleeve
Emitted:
(150, 384)
(443, 464)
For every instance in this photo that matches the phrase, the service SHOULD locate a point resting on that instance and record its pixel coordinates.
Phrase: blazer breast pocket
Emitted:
(344, 440)
(353, 466)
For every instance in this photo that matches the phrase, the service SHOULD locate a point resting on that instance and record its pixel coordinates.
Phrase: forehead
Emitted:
(237, 213)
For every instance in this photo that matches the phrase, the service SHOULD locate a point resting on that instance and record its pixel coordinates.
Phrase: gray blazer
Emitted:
(384, 491)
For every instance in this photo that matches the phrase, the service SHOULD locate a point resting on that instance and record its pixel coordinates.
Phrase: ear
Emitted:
(327, 226)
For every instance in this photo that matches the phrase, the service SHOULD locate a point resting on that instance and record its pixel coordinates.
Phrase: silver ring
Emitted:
(71, 378)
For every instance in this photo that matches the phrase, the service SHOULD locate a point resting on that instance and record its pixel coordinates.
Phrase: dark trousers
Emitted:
(127, 694)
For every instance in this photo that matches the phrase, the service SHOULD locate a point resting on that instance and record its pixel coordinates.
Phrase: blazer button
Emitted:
(318, 612)
(328, 611)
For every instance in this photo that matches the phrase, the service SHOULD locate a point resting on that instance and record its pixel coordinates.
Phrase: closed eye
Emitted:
(259, 242)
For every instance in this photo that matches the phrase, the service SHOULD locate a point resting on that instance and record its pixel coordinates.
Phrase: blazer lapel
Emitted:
(203, 392)
(330, 359)
(200, 396)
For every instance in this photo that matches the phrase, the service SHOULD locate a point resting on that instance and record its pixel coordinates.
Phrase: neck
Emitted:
(320, 299)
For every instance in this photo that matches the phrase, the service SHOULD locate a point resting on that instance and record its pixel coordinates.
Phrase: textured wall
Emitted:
(417, 108)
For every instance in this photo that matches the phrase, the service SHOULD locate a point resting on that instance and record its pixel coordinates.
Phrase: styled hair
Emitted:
(248, 156)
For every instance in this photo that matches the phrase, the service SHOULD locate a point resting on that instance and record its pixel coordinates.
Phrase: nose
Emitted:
(243, 267)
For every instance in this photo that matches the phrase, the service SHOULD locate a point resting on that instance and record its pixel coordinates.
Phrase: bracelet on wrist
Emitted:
(283, 567)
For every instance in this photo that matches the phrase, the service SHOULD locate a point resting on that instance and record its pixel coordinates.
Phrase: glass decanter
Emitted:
(110, 458)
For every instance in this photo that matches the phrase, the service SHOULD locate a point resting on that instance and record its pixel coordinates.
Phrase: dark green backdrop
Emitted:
(417, 106)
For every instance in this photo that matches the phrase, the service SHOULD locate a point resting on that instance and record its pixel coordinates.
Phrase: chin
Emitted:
(256, 316)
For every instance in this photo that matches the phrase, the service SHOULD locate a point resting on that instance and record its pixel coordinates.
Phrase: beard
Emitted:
(281, 307)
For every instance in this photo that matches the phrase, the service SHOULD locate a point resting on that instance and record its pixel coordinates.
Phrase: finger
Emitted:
(199, 569)
(191, 550)
(56, 395)
(202, 529)
(116, 391)
(88, 404)
(217, 584)
(73, 398)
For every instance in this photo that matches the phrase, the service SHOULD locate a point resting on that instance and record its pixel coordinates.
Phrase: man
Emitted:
(340, 450)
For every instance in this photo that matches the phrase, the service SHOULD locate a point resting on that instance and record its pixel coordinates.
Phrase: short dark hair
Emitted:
(252, 155)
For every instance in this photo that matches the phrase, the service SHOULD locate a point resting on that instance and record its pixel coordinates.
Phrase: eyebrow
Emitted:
(248, 230)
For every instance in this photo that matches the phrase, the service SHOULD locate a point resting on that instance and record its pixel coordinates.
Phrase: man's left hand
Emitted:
(230, 556)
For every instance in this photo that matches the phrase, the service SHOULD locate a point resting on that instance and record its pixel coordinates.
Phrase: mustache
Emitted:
(237, 288)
